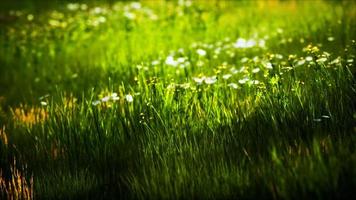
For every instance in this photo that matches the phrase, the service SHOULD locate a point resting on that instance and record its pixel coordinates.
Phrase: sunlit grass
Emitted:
(185, 100)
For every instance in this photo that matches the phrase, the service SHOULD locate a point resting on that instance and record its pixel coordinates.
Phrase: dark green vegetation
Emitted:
(178, 100)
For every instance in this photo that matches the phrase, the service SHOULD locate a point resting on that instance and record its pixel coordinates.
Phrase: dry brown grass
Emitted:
(29, 115)
(17, 187)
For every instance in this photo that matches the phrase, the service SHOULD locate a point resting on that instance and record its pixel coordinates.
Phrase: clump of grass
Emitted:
(181, 100)
(28, 116)
(18, 186)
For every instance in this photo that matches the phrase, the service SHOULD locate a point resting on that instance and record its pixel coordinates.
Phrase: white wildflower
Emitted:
(98, 10)
(244, 59)
(185, 85)
(171, 61)
(279, 56)
(181, 60)
(256, 70)
(321, 60)
(244, 80)
(336, 61)
(72, 6)
(114, 96)
(95, 103)
(210, 80)
(309, 58)
(198, 80)
(234, 70)
(300, 62)
(232, 85)
(255, 82)
(155, 62)
(226, 76)
(105, 99)
(268, 65)
(243, 43)
(201, 52)
(129, 98)
(330, 39)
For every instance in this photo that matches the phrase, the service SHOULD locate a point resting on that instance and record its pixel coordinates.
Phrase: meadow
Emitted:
(177, 100)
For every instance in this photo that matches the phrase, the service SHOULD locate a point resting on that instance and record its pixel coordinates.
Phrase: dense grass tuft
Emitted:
(178, 100)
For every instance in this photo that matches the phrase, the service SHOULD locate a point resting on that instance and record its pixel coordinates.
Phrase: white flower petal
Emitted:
(226, 76)
(129, 98)
(201, 52)
(210, 80)
(232, 85)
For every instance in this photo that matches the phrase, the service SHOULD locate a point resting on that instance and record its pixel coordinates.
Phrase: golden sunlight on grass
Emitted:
(3, 136)
(17, 187)
(29, 115)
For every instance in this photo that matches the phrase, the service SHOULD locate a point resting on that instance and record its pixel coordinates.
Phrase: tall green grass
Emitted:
(170, 104)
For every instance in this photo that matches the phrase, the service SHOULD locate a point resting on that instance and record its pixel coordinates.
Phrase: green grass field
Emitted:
(178, 100)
